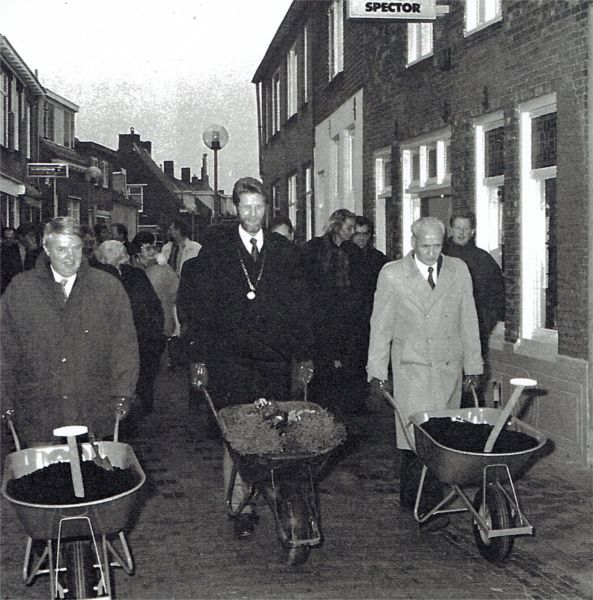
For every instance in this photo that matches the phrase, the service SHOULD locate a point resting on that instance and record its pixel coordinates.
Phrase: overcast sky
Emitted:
(170, 69)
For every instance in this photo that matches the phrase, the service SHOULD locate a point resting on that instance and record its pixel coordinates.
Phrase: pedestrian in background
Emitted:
(89, 245)
(333, 268)
(69, 347)
(179, 248)
(250, 315)
(20, 256)
(147, 313)
(120, 232)
(102, 232)
(424, 316)
(372, 261)
(283, 226)
(487, 278)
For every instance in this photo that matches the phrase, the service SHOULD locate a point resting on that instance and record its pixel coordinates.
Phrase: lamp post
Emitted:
(216, 137)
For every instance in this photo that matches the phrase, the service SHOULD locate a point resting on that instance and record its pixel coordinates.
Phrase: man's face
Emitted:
(251, 211)
(461, 231)
(29, 241)
(147, 254)
(427, 244)
(174, 234)
(88, 245)
(115, 235)
(65, 253)
(361, 236)
(345, 232)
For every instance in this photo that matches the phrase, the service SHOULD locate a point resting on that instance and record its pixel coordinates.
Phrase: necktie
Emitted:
(63, 285)
(254, 250)
(173, 257)
(431, 282)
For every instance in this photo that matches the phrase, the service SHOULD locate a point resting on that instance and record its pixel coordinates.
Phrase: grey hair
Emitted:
(422, 222)
(107, 250)
(63, 226)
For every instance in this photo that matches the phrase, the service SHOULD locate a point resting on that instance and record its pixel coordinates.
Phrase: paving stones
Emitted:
(183, 547)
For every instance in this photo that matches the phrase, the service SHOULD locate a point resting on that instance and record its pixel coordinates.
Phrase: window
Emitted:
(105, 173)
(489, 184)
(68, 130)
(292, 199)
(481, 13)
(9, 207)
(426, 179)
(292, 79)
(74, 208)
(48, 121)
(382, 196)
(4, 92)
(538, 218)
(419, 41)
(275, 199)
(276, 103)
(305, 68)
(136, 192)
(335, 15)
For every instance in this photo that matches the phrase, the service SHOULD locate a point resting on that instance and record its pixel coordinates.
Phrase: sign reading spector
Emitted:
(419, 10)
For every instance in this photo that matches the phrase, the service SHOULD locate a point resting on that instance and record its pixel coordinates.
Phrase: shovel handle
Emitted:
(520, 384)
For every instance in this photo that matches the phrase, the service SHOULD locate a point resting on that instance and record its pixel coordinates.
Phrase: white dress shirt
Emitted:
(424, 269)
(70, 281)
(246, 238)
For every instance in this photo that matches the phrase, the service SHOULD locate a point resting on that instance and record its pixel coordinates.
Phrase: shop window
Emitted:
(419, 41)
(335, 15)
(480, 14)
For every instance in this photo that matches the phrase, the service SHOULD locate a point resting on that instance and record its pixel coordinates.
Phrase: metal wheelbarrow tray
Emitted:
(42, 521)
(456, 467)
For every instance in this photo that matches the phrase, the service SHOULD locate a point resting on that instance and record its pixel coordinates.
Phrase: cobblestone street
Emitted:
(183, 545)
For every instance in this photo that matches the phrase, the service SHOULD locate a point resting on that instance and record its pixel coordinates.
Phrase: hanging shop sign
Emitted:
(420, 10)
(47, 170)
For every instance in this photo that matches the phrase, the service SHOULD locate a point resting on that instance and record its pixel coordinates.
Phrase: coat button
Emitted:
(64, 397)
(64, 360)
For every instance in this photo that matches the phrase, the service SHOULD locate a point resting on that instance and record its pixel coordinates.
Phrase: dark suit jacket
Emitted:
(212, 300)
(11, 263)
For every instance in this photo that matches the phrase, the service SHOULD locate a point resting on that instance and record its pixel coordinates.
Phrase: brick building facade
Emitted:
(486, 107)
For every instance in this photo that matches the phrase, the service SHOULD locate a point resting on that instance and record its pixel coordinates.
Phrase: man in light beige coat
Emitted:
(424, 318)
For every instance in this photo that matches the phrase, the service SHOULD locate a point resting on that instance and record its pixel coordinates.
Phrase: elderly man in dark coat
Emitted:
(69, 348)
(147, 312)
(249, 312)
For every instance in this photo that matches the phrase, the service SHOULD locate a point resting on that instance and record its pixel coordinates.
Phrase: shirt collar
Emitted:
(424, 268)
(246, 238)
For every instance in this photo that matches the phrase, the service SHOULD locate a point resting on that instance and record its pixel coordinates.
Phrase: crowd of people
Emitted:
(87, 315)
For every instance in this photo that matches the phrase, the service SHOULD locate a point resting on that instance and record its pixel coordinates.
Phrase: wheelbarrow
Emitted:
(75, 544)
(496, 515)
(286, 481)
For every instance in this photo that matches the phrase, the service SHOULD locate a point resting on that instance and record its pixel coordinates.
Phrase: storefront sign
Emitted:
(418, 10)
(47, 170)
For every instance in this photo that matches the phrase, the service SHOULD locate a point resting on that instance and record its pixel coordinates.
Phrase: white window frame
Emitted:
(488, 205)
(276, 102)
(413, 190)
(135, 195)
(382, 192)
(292, 81)
(292, 199)
(533, 227)
(105, 173)
(309, 202)
(305, 66)
(420, 42)
(335, 14)
(74, 207)
(480, 14)
(4, 91)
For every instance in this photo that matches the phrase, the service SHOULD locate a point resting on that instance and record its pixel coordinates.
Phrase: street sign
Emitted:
(47, 170)
(418, 10)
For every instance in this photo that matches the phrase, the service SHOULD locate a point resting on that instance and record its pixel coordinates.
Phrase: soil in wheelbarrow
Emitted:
(53, 484)
(471, 437)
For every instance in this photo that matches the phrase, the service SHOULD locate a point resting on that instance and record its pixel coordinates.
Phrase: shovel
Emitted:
(100, 461)
(519, 384)
(70, 432)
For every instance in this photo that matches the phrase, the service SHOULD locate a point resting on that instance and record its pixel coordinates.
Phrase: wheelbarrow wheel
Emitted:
(80, 574)
(498, 515)
(293, 519)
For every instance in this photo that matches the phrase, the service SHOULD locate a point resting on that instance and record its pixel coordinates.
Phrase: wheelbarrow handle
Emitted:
(8, 418)
(200, 385)
(400, 415)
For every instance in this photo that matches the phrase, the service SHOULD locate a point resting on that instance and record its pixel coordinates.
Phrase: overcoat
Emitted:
(432, 335)
(63, 361)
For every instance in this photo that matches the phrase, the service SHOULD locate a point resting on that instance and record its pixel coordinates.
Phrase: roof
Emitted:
(19, 66)
(61, 100)
(285, 32)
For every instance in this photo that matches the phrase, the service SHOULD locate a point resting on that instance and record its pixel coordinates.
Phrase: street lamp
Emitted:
(93, 176)
(216, 137)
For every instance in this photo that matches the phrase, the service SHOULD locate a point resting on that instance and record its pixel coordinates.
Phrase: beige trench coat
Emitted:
(432, 335)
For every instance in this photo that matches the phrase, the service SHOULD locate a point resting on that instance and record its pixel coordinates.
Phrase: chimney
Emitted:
(186, 174)
(204, 172)
(169, 168)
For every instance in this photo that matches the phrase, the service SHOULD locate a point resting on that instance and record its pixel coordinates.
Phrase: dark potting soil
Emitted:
(53, 484)
(471, 437)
